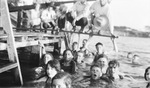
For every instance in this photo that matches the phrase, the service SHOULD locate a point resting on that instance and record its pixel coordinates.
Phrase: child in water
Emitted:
(41, 70)
(135, 60)
(97, 78)
(100, 51)
(52, 68)
(113, 70)
(147, 76)
(74, 49)
(61, 80)
(103, 63)
(80, 62)
(67, 63)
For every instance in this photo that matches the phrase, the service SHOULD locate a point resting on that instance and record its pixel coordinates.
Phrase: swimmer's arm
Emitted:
(125, 76)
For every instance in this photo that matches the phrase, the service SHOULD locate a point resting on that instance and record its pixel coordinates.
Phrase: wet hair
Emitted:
(136, 55)
(102, 56)
(99, 57)
(44, 57)
(94, 65)
(65, 76)
(114, 62)
(99, 43)
(53, 63)
(146, 70)
(66, 51)
(129, 53)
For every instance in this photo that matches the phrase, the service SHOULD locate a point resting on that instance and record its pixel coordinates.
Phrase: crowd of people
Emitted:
(81, 68)
(78, 67)
(53, 16)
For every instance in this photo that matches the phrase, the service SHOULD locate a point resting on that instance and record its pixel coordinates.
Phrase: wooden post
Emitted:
(11, 48)
(114, 44)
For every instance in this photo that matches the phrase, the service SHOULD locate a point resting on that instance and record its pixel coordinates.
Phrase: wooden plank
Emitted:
(31, 35)
(90, 34)
(73, 32)
(28, 7)
(32, 43)
(7, 26)
(8, 67)
(3, 46)
(19, 8)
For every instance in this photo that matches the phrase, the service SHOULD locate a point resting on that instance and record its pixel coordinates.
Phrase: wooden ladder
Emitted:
(11, 46)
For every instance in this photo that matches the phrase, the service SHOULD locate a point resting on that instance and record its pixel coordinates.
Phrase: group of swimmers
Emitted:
(80, 68)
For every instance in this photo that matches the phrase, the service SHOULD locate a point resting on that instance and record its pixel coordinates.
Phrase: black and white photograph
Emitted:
(74, 43)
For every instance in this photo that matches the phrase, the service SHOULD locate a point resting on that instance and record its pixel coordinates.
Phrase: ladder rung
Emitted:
(8, 67)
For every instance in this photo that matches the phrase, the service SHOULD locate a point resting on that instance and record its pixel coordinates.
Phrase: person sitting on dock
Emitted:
(101, 17)
(78, 14)
(48, 16)
(67, 63)
(35, 16)
(61, 14)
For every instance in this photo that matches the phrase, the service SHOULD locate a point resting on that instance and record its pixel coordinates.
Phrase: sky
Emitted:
(131, 13)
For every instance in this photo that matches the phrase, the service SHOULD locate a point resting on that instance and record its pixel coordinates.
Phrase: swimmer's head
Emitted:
(147, 74)
(99, 48)
(67, 55)
(80, 56)
(113, 66)
(102, 61)
(74, 46)
(135, 59)
(47, 57)
(61, 80)
(130, 55)
(96, 72)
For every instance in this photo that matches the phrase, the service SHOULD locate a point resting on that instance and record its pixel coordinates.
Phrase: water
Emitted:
(139, 46)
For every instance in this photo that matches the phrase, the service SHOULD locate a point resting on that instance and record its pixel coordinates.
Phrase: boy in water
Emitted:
(74, 49)
(52, 68)
(113, 70)
(100, 51)
(84, 47)
(129, 56)
(135, 60)
(103, 63)
(61, 80)
(80, 62)
(97, 78)
(67, 63)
